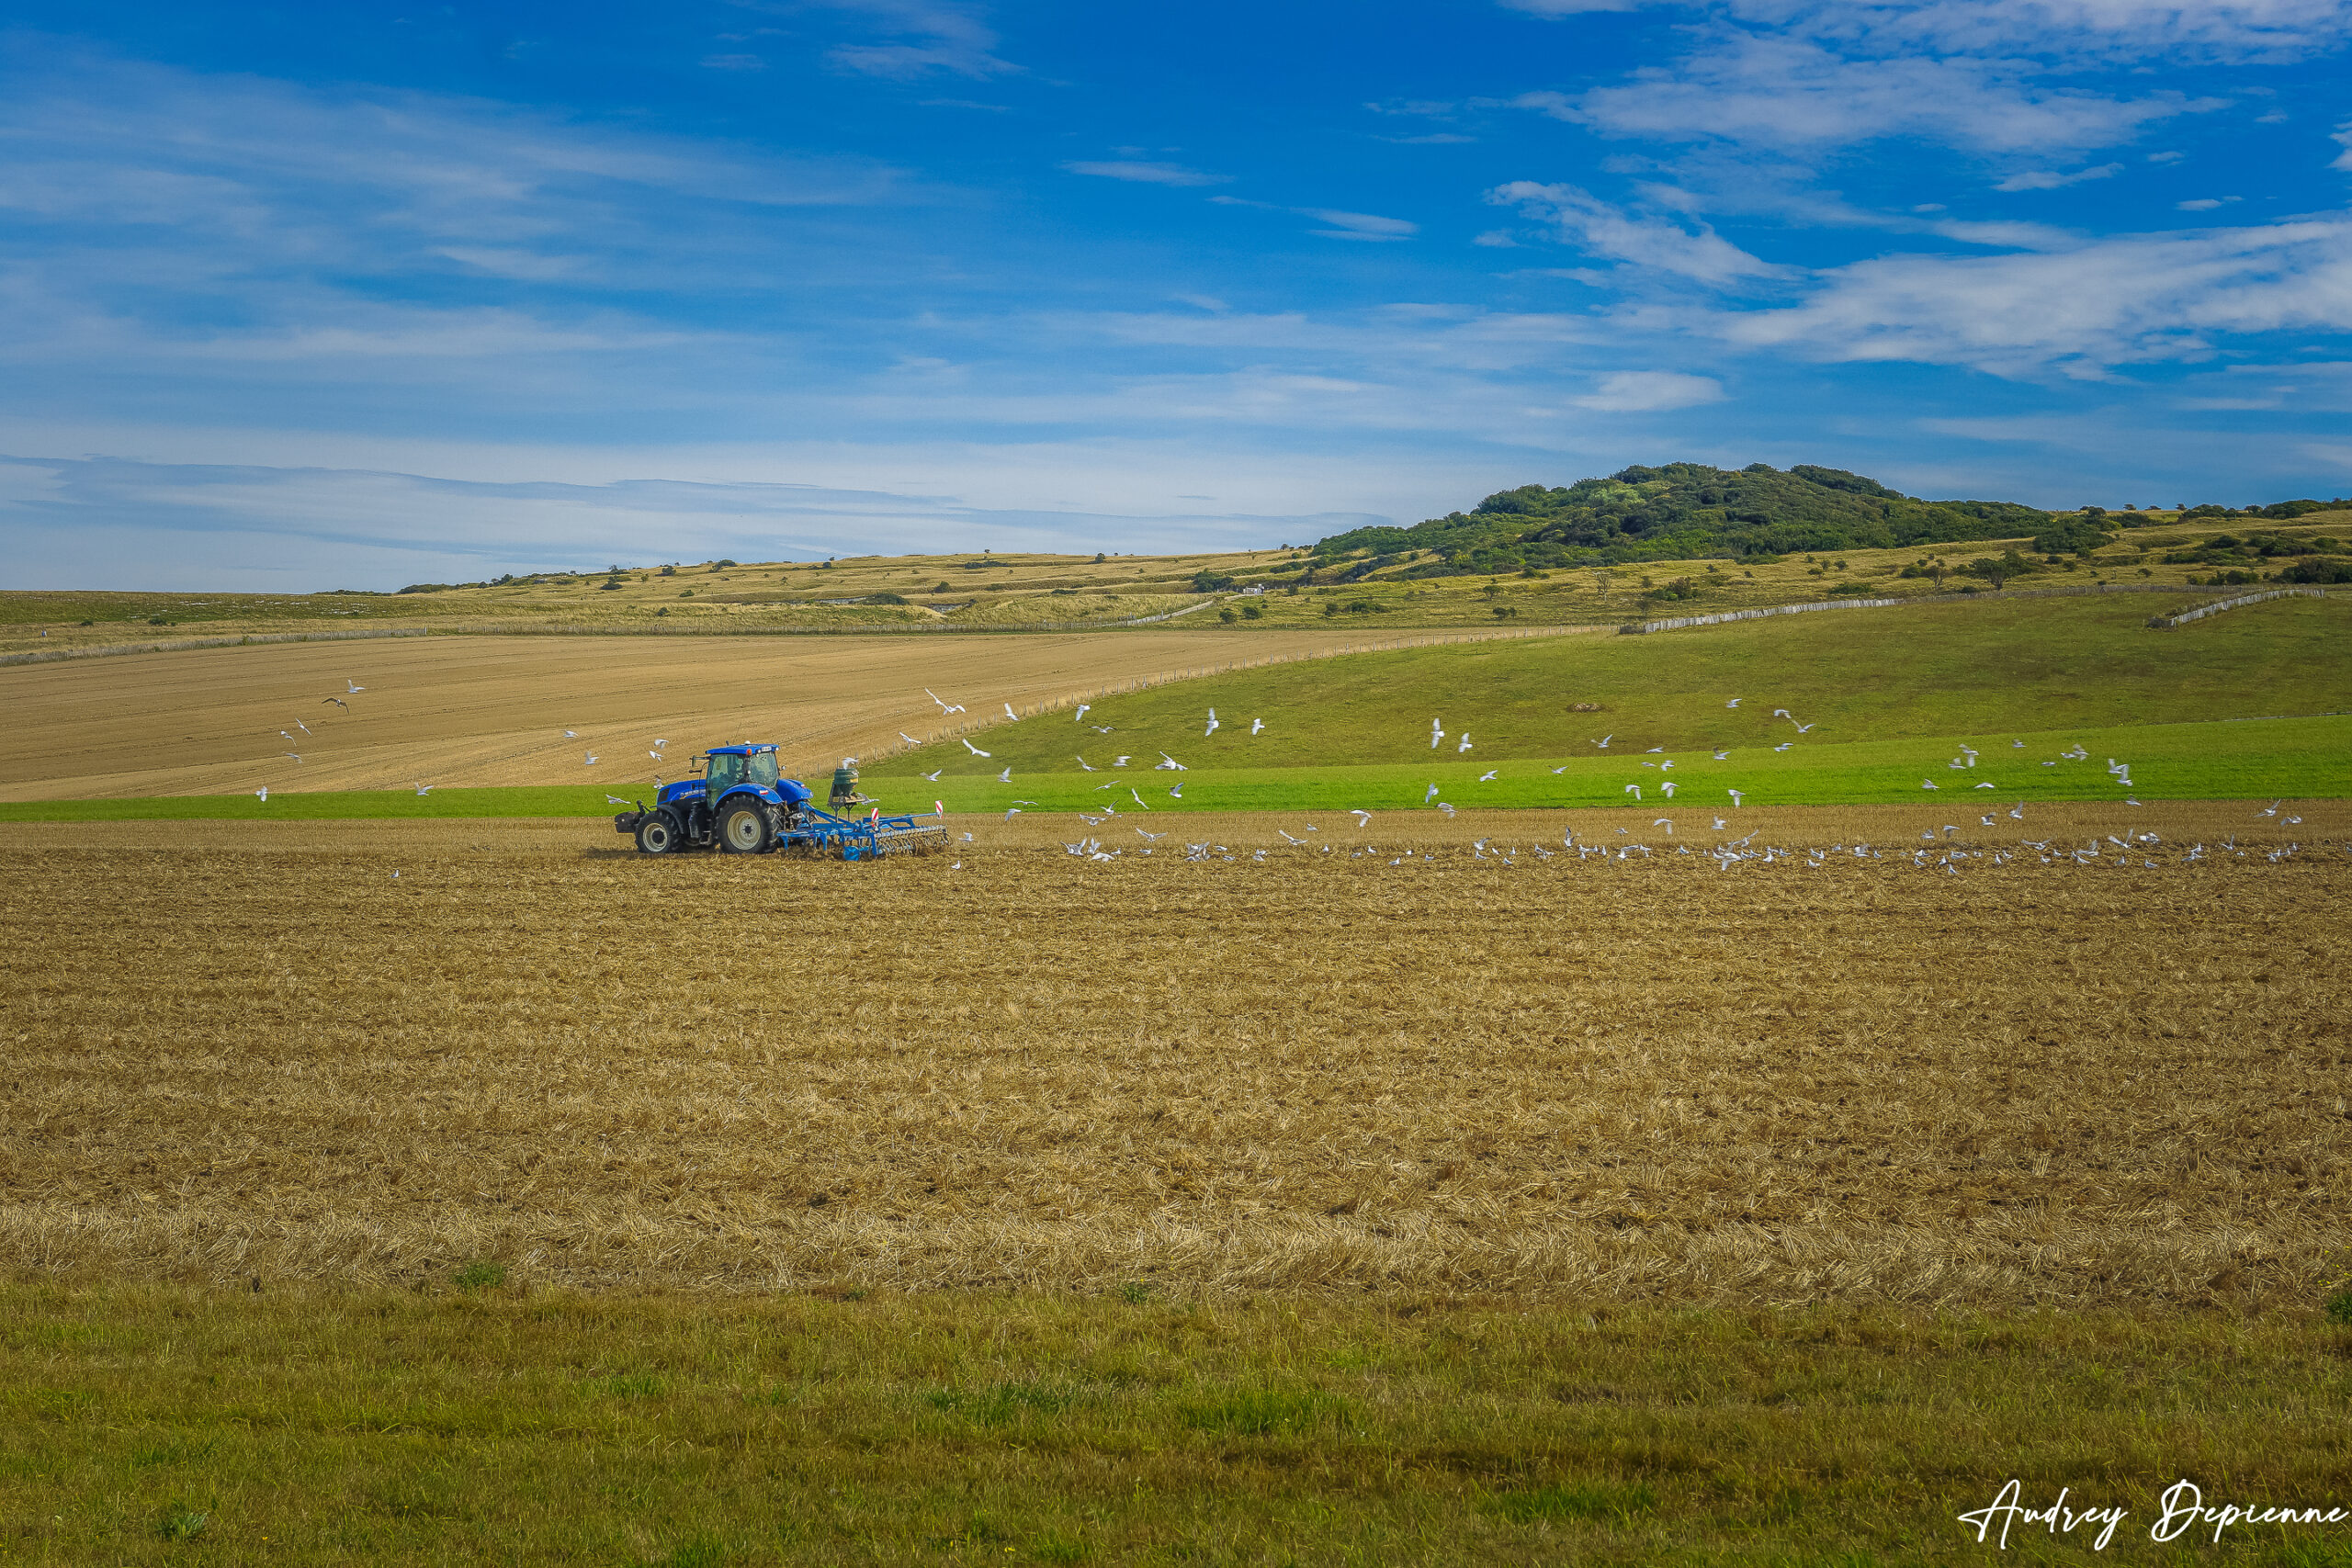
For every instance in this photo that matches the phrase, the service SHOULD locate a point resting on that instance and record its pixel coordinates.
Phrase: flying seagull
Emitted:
(1005, 777)
(351, 687)
(1009, 714)
(1212, 728)
(337, 701)
(1256, 725)
(1079, 717)
(1734, 702)
(972, 748)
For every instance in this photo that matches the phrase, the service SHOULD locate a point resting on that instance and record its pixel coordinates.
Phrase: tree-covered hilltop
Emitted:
(1687, 511)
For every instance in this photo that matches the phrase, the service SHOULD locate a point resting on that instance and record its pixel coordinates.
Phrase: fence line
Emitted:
(2215, 608)
(1637, 628)
(179, 645)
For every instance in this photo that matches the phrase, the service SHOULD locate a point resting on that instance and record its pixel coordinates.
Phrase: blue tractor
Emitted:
(742, 806)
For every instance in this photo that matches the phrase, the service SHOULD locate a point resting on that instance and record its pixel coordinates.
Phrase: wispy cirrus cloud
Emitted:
(932, 37)
(1146, 171)
(1655, 244)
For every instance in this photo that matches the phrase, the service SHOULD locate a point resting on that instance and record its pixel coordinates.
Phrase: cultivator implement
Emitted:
(742, 805)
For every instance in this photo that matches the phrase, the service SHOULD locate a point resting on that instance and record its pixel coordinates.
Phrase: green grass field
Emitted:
(1889, 697)
(480, 1423)
(2300, 758)
(2014, 666)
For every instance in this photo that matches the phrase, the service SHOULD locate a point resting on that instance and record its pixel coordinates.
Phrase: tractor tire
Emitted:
(743, 828)
(656, 834)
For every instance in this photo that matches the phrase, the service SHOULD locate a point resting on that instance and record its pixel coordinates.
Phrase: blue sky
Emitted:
(367, 294)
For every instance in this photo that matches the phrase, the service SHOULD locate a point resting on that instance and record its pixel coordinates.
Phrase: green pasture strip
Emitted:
(2029, 665)
(2300, 758)
(2295, 758)
(147, 1424)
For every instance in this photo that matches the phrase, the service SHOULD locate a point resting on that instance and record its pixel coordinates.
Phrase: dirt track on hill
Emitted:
(372, 1051)
(493, 710)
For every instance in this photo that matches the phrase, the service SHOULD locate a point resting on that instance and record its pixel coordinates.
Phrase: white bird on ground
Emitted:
(262, 795)
(1084, 765)
(1005, 777)
(1604, 741)
(1634, 789)
(1466, 744)
(591, 759)
(1489, 775)
(297, 756)
(424, 789)
(1734, 702)
(1364, 817)
(972, 748)
(1736, 796)
(1079, 717)
(1256, 725)
(351, 687)
(1213, 726)
(1009, 714)
(934, 777)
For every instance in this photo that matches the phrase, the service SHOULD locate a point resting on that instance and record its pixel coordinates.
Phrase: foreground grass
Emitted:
(478, 1422)
(2292, 758)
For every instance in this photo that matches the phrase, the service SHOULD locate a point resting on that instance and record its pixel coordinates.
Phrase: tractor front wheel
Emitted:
(656, 833)
(743, 828)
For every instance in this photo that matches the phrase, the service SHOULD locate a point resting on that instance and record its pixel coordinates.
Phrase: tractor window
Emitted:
(763, 770)
(726, 772)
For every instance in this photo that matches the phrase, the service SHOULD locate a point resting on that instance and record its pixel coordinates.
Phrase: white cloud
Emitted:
(2116, 301)
(2206, 203)
(2117, 31)
(2343, 135)
(1650, 392)
(1599, 229)
(1794, 93)
(942, 37)
(2045, 179)
(1359, 225)
(1148, 173)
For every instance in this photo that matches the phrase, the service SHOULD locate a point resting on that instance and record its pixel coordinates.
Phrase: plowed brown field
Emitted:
(376, 1051)
(493, 710)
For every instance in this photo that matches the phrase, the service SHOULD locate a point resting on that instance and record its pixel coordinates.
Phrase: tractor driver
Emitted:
(726, 772)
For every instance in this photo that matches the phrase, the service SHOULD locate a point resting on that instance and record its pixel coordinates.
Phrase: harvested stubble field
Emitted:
(492, 711)
(370, 1053)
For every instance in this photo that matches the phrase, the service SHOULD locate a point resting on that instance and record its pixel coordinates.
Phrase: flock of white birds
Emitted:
(1944, 854)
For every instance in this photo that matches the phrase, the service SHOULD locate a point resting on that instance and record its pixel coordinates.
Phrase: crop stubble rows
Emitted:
(245, 1054)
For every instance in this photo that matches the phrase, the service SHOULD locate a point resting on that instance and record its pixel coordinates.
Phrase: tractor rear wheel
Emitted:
(656, 833)
(743, 828)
